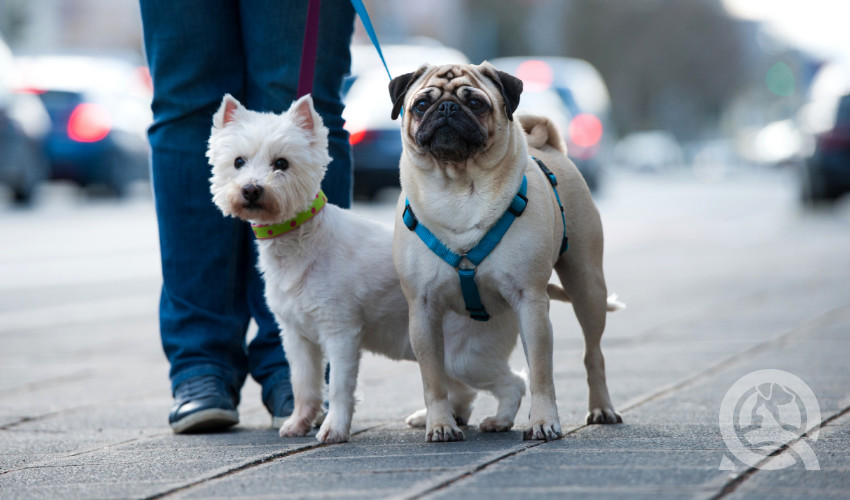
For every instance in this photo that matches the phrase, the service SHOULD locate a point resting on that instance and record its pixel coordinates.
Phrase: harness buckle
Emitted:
(409, 218)
(517, 211)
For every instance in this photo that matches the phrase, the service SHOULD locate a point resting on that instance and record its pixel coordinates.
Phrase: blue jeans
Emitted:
(198, 50)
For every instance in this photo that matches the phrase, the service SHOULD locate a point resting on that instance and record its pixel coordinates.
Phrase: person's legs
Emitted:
(195, 57)
(272, 34)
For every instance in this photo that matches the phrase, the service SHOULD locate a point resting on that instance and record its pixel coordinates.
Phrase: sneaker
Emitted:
(280, 404)
(203, 404)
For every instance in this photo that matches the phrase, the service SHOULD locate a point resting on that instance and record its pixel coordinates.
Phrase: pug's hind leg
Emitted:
(590, 303)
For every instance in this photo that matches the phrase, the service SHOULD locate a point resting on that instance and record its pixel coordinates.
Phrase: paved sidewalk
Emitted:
(720, 280)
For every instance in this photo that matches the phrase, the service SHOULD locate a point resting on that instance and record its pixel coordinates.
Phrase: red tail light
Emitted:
(30, 90)
(89, 123)
(585, 130)
(535, 75)
(356, 137)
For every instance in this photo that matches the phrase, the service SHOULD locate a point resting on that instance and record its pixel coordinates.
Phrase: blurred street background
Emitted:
(715, 135)
(708, 87)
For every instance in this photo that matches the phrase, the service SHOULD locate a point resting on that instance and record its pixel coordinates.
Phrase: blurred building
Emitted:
(31, 26)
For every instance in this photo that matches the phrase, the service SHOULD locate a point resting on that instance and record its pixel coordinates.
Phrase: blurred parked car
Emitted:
(585, 106)
(99, 108)
(826, 173)
(649, 151)
(375, 138)
(23, 126)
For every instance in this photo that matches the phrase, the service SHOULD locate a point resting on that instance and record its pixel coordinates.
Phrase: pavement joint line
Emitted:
(34, 386)
(50, 462)
(802, 329)
(741, 478)
(250, 465)
(74, 409)
(470, 471)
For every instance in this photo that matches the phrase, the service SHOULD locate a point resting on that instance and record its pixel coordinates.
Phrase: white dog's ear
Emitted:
(304, 113)
(226, 111)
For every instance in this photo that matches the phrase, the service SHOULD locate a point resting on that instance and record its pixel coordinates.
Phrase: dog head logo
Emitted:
(764, 411)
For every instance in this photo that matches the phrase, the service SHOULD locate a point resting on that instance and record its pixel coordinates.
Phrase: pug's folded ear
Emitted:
(399, 87)
(509, 85)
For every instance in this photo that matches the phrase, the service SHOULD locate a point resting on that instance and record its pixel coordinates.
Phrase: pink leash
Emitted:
(308, 50)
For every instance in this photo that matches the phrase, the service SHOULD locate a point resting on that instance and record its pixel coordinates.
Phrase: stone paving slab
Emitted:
(714, 291)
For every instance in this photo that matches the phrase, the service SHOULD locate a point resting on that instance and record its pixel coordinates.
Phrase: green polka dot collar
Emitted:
(267, 231)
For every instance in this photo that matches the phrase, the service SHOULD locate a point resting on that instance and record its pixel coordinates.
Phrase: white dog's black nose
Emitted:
(252, 193)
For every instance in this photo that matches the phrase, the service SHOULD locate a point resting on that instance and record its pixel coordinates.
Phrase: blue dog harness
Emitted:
(479, 252)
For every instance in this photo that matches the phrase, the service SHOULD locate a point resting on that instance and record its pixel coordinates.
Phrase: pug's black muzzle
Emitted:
(450, 132)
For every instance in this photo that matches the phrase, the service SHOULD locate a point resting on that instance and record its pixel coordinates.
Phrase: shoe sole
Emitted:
(210, 420)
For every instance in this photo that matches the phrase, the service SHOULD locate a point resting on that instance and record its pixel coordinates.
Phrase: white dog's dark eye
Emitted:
(239, 162)
(280, 164)
(421, 105)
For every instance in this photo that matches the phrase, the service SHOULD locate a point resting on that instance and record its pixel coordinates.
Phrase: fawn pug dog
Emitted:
(464, 159)
(329, 276)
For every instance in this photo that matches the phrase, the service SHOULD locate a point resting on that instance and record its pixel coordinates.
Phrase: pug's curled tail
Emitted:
(541, 132)
(557, 293)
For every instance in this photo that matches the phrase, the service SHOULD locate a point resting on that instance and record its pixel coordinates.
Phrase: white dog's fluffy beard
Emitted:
(279, 201)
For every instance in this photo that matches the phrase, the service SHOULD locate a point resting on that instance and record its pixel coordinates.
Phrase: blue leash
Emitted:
(370, 30)
(367, 23)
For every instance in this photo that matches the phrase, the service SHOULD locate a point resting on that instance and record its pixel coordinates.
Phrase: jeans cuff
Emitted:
(229, 377)
(280, 377)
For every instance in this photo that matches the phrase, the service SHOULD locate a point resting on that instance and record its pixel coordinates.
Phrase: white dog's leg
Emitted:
(536, 334)
(343, 351)
(460, 397)
(479, 368)
(417, 418)
(508, 388)
(426, 338)
(590, 302)
(306, 374)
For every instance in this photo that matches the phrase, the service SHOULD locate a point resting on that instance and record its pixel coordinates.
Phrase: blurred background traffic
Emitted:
(701, 88)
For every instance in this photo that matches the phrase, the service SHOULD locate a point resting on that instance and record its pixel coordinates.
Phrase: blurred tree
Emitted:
(14, 18)
(671, 64)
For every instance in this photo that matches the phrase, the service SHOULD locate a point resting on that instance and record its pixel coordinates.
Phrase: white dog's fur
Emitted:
(331, 283)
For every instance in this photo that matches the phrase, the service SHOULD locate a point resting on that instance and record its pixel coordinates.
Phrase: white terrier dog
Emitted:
(329, 274)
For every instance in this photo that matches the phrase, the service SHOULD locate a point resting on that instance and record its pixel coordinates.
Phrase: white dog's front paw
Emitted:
(603, 416)
(295, 427)
(543, 431)
(417, 418)
(329, 435)
(494, 424)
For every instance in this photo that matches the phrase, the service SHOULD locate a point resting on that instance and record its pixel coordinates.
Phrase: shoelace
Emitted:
(200, 386)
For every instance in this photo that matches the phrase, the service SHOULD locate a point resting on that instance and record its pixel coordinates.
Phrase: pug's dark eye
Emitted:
(476, 105)
(421, 106)
(239, 162)
(280, 164)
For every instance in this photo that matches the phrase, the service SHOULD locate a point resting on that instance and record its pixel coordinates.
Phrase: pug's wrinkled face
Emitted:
(454, 112)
